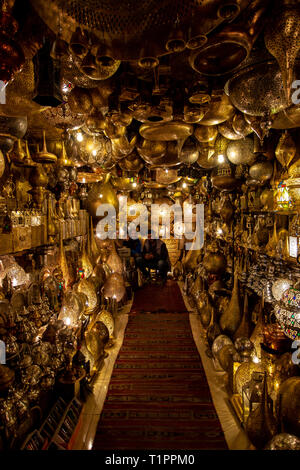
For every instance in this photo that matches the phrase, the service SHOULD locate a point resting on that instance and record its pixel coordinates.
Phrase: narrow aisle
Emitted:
(158, 397)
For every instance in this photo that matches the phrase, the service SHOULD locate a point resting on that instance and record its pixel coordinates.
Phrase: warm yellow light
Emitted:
(184, 185)
(256, 359)
(134, 185)
(221, 158)
(79, 136)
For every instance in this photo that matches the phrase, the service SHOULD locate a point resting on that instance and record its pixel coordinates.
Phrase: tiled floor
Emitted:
(234, 434)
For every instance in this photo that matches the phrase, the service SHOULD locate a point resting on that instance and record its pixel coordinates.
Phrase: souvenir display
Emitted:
(150, 209)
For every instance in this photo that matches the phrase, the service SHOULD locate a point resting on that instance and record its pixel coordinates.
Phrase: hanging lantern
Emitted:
(280, 286)
(47, 78)
(282, 39)
(101, 193)
(241, 152)
(287, 312)
(285, 150)
(114, 287)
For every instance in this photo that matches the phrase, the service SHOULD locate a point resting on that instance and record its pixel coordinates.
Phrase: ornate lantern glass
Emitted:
(287, 313)
(279, 287)
(282, 197)
(251, 394)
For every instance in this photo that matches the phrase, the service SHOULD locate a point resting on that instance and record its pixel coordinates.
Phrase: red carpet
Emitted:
(158, 397)
(153, 298)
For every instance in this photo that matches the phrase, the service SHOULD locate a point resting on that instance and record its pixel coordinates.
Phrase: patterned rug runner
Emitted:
(154, 298)
(158, 397)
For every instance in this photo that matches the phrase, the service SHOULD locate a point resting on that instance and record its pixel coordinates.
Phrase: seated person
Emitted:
(135, 247)
(154, 256)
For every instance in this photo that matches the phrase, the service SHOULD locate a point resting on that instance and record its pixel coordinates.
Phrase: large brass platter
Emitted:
(173, 130)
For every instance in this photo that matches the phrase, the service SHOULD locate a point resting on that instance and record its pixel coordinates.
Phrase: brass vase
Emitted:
(62, 261)
(85, 262)
(191, 260)
(206, 313)
(44, 156)
(231, 318)
(213, 329)
(261, 425)
(257, 336)
(214, 261)
(244, 328)
(94, 247)
(63, 160)
(227, 210)
(51, 227)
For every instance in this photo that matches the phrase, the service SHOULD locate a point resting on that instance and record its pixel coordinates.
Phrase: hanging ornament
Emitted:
(240, 125)
(189, 153)
(282, 39)
(259, 125)
(285, 150)
(241, 152)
